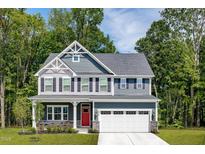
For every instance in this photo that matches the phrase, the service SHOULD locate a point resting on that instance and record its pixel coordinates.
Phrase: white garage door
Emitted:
(124, 120)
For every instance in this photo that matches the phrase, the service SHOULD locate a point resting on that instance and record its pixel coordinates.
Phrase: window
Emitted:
(130, 112)
(118, 112)
(103, 84)
(139, 83)
(57, 112)
(49, 113)
(123, 83)
(105, 112)
(48, 84)
(143, 112)
(66, 84)
(76, 58)
(85, 84)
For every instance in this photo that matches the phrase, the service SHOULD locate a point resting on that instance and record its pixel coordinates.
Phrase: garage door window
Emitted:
(143, 112)
(130, 112)
(118, 112)
(105, 112)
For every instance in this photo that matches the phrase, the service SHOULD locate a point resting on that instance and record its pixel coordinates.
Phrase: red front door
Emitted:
(85, 116)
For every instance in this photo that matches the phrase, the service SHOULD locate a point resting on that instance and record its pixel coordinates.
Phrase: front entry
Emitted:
(85, 114)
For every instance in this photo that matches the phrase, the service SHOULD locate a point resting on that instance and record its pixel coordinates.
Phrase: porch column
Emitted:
(156, 111)
(34, 114)
(93, 111)
(75, 114)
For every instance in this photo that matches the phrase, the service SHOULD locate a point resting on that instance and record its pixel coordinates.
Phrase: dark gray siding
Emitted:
(131, 89)
(124, 105)
(86, 65)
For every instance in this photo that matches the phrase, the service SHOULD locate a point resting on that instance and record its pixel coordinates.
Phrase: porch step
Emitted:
(83, 130)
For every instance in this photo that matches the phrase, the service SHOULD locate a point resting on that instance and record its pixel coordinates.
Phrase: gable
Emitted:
(56, 66)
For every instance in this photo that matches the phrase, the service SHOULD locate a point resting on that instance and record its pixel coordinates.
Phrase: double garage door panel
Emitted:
(124, 123)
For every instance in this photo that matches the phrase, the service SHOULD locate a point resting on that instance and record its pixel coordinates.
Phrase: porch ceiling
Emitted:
(95, 98)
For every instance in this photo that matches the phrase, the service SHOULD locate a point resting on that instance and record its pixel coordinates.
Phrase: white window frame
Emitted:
(64, 85)
(73, 58)
(139, 83)
(85, 84)
(100, 84)
(53, 106)
(123, 83)
(46, 85)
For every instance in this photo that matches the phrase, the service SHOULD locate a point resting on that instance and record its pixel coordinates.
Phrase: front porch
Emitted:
(65, 114)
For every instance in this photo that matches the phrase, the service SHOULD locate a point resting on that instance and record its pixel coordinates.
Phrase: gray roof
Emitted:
(91, 97)
(121, 64)
(126, 64)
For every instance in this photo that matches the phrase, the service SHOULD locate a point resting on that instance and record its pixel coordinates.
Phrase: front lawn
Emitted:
(9, 136)
(183, 136)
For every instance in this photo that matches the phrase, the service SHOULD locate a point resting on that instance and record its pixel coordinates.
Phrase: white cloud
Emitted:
(126, 26)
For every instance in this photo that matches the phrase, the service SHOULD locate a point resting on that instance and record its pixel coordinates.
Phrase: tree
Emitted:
(172, 62)
(189, 25)
(22, 110)
(81, 25)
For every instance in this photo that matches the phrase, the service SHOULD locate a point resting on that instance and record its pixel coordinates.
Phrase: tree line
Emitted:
(26, 40)
(175, 48)
(173, 45)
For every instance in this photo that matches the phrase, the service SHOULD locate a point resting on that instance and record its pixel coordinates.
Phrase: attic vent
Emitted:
(76, 58)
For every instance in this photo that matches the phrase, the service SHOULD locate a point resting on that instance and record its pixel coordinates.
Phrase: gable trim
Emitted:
(86, 51)
(56, 58)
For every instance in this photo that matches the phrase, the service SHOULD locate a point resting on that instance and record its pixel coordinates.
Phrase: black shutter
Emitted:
(143, 83)
(127, 83)
(135, 83)
(60, 84)
(54, 84)
(109, 84)
(118, 81)
(91, 84)
(97, 84)
(72, 84)
(42, 84)
(79, 84)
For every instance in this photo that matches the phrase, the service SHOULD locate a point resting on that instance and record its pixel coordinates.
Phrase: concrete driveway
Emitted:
(129, 139)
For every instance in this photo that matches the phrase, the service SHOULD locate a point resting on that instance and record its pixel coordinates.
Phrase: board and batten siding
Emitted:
(131, 88)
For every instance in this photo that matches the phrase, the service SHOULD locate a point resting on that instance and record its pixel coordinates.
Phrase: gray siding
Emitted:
(124, 105)
(131, 90)
(86, 65)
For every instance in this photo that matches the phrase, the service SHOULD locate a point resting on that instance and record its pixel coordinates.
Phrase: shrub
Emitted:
(93, 130)
(49, 129)
(33, 130)
(71, 130)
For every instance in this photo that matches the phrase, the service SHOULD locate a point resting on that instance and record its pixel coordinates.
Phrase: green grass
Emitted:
(183, 136)
(9, 136)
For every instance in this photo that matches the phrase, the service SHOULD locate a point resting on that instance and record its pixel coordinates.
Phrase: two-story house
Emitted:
(109, 92)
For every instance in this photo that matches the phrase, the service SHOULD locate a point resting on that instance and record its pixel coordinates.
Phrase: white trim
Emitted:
(113, 86)
(93, 111)
(75, 114)
(126, 100)
(156, 111)
(150, 86)
(34, 114)
(96, 100)
(56, 58)
(73, 58)
(134, 76)
(65, 51)
(121, 87)
(53, 106)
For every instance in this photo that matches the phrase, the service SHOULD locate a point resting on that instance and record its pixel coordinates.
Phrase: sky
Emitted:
(124, 26)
